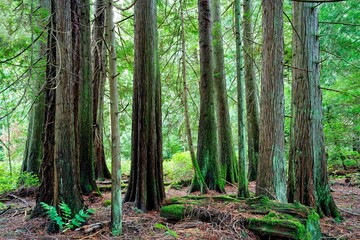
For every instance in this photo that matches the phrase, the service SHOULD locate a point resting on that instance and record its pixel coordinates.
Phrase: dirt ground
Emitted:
(15, 223)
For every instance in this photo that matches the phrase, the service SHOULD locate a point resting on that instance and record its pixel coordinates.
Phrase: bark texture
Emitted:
(46, 188)
(271, 167)
(308, 179)
(86, 148)
(242, 180)
(207, 140)
(252, 100)
(146, 187)
(99, 77)
(227, 157)
(66, 182)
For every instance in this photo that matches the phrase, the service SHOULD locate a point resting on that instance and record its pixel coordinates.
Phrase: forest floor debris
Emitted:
(15, 223)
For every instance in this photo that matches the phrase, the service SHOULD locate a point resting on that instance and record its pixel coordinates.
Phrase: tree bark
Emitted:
(243, 190)
(66, 178)
(46, 188)
(271, 174)
(99, 77)
(207, 138)
(85, 113)
(200, 179)
(252, 101)
(308, 179)
(33, 150)
(227, 157)
(116, 202)
(146, 186)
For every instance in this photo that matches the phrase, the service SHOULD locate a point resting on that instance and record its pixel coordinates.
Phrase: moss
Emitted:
(282, 225)
(313, 226)
(173, 212)
(287, 226)
(107, 203)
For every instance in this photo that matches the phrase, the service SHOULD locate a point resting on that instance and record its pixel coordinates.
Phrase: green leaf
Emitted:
(79, 218)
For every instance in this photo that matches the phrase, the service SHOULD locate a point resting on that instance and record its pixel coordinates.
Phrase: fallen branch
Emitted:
(91, 227)
(19, 198)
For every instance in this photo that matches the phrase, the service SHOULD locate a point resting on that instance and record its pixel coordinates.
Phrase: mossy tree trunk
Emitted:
(86, 147)
(252, 100)
(227, 157)
(308, 179)
(66, 177)
(46, 188)
(207, 136)
(243, 190)
(271, 174)
(146, 186)
(200, 179)
(99, 78)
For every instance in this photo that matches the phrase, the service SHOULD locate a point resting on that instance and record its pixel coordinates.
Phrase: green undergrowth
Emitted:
(10, 182)
(178, 169)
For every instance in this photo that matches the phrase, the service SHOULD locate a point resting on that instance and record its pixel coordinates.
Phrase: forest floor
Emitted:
(15, 223)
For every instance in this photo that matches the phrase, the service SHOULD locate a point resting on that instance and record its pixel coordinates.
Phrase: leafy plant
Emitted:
(65, 221)
(179, 168)
(168, 230)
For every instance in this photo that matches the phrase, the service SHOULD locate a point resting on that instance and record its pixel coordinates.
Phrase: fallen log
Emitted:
(268, 219)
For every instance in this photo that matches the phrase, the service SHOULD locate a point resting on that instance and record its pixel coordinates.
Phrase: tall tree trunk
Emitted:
(227, 157)
(270, 179)
(308, 179)
(99, 78)
(199, 178)
(33, 150)
(207, 138)
(66, 182)
(252, 102)
(46, 189)
(85, 113)
(146, 185)
(243, 190)
(116, 203)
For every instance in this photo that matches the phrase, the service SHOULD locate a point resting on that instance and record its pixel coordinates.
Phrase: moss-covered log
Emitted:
(289, 221)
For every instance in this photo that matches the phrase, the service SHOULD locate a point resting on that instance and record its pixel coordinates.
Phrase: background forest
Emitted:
(23, 64)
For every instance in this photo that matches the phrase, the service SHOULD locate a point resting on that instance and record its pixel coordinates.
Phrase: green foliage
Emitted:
(29, 179)
(178, 168)
(66, 221)
(168, 230)
(10, 182)
(107, 203)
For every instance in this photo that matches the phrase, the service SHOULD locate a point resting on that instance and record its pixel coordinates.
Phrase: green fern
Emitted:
(66, 221)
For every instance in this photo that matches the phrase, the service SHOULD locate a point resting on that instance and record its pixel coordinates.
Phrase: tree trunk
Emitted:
(116, 202)
(99, 77)
(85, 115)
(66, 182)
(308, 179)
(271, 174)
(227, 157)
(252, 101)
(46, 189)
(200, 179)
(146, 185)
(33, 150)
(243, 190)
(207, 137)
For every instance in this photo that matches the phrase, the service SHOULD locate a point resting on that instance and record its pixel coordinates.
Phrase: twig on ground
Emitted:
(349, 212)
